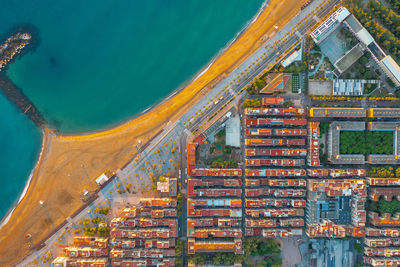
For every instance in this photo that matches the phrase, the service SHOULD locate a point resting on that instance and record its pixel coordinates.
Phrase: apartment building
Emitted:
(84, 251)
(336, 207)
(313, 144)
(214, 209)
(145, 234)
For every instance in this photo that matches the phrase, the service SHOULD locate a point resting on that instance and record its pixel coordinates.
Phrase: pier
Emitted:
(9, 50)
(14, 94)
(13, 47)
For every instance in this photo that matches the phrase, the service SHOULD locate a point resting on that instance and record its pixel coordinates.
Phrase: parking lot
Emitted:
(290, 252)
(320, 87)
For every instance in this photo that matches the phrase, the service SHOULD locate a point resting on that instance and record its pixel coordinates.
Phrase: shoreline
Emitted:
(180, 87)
(64, 154)
(197, 75)
(11, 210)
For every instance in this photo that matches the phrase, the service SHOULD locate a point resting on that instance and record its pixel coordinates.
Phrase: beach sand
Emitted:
(58, 178)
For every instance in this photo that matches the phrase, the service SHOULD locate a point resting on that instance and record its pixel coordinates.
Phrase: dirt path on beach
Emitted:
(59, 179)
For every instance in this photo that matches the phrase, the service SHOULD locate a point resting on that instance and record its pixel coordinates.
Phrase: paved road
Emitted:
(183, 173)
(268, 60)
(211, 102)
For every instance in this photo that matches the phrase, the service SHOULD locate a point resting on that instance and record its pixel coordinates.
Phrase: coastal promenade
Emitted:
(58, 178)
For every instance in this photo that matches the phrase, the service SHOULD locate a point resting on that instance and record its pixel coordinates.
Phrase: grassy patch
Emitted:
(252, 102)
(383, 206)
(384, 171)
(323, 128)
(368, 88)
(223, 163)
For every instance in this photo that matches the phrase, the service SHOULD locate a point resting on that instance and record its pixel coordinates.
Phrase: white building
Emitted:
(329, 25)
(386, 62)
(348, 87)
(392, 69)
(351, 87)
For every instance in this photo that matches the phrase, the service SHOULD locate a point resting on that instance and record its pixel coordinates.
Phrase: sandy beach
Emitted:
(58, 178)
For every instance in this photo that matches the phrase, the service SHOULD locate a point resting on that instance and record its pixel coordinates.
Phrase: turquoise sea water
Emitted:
(20, 142)
(102, 62)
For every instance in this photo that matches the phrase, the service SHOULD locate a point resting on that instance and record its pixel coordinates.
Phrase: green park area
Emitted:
(262, 252)
(366, 142)
(258, 252)
(384, 171)
(383, 206)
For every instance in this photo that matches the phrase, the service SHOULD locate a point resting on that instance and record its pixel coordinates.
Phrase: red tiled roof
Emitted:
(382, 232)
(274, 112)
(275, 192)
(266, 101)
(275, 172)
(255, 213)
(274, 202)
(287, 152)
(274, 121)
(274, 162)
(383, 181)
(338, 187)
(336, 173)
(275, 142)
(276, 182)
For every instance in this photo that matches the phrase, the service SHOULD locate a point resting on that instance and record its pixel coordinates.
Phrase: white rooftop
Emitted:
(102, 179)
(344, 13)
(365, 36)
(330, 24)
(295, 56)
(392, 66)
(348, 87)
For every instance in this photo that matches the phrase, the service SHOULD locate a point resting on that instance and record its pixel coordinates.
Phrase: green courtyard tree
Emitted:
(366, 143)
